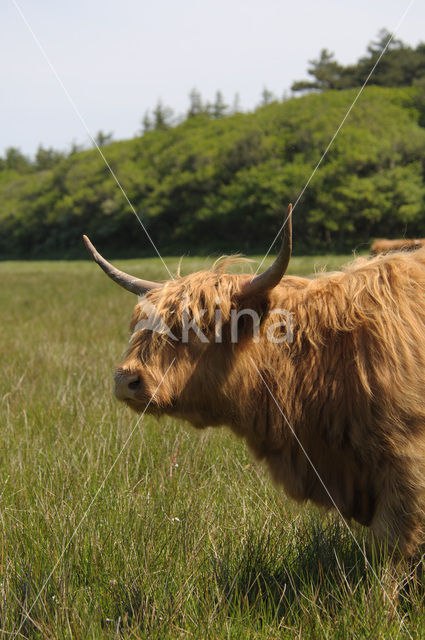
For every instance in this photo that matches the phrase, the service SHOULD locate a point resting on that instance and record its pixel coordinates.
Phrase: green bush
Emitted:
(214, 185)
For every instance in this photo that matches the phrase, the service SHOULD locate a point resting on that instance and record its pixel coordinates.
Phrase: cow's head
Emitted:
(185, 334)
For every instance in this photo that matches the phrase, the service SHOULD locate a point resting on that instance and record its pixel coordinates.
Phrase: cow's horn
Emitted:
(273, 275)
(135, 285)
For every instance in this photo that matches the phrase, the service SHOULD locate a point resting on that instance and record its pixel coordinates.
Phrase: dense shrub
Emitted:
(224, 184)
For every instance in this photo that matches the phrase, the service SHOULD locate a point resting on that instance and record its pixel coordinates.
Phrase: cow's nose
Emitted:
(126, 384)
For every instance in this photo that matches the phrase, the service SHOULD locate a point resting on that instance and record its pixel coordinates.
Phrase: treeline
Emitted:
(223, 184)
(160, 118)
(163, 117)
(400, 66)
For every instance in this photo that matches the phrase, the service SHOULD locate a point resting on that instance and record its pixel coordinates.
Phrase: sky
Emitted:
(116, 58)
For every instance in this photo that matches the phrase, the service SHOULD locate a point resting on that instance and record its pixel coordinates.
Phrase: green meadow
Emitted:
(116, 529)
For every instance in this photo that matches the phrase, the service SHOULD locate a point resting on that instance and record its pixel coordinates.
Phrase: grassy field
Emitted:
(156, 532)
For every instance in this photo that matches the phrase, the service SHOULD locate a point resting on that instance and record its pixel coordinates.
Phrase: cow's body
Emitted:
(382, 245)
(337, 413)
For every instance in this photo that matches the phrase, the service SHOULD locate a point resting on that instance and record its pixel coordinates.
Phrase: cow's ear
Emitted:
(273, 275)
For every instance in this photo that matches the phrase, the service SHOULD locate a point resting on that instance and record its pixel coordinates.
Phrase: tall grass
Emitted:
(186, 537)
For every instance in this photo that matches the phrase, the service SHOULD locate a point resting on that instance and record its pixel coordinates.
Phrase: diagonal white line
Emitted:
(328, 493)
(83, 122)
(394, 32)
(84, 516)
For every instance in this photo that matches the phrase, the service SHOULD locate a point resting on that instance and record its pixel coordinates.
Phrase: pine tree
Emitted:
(326, 71)
(236, 106)
(47, 158)
(266, 97)
(219, 107)
(195, 104)
(102, 139)
(146, 123)
(15, 160)
(162, 117)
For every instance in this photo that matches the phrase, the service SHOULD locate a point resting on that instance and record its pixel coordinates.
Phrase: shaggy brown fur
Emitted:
(351, 383)
(385, 246)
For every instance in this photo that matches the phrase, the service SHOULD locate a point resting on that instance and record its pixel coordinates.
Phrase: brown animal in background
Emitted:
(385, 246)
(348, 389)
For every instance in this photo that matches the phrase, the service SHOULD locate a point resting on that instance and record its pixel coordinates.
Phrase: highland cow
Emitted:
(337, 412)
(385, 246)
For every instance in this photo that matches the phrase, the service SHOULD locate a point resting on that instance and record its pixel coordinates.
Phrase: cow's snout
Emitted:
(126, 384)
